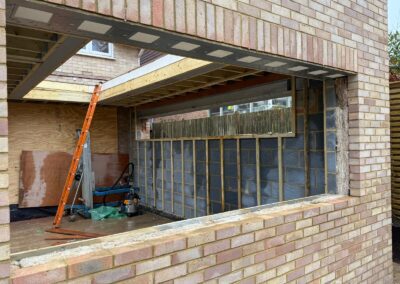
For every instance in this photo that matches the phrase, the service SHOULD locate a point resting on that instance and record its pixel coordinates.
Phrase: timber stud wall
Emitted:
(347, 34)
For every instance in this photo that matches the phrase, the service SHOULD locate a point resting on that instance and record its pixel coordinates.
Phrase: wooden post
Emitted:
(280, 169)
(194, 179)
(183, 177)
(207, 179)
(221, 149)
(162, 174)
(306, 140)
(145, 173)
(258, 171)
(87, 182)
(172, 177)
(154, 175)
(325, 136)
(239, 174)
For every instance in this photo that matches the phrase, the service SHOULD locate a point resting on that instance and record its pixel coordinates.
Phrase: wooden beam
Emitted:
(185, 68)
(206, 85)
(259, 88)
(29, 34)
(64, 92)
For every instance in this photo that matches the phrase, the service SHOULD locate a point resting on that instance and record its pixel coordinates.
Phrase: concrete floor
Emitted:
(30, 234)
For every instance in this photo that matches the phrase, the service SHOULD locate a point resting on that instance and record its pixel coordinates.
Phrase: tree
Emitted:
(394, 55)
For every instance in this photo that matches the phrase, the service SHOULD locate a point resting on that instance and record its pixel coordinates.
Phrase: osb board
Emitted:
(43, 175)
(52, 127)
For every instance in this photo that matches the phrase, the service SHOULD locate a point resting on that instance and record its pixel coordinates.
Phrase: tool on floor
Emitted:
(76, 156)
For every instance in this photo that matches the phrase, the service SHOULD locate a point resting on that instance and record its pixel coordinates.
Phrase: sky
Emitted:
(394, 15)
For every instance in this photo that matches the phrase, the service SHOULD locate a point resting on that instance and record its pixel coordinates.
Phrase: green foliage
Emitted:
(394, 52)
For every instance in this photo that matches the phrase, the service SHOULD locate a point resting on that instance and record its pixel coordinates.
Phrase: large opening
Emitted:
(208, 127)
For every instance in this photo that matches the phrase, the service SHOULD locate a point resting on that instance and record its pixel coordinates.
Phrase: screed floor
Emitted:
(31, 234)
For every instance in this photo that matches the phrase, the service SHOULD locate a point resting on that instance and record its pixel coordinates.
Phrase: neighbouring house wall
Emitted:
(324, 240)
(4, 200)
(52, 127)
(90, 70)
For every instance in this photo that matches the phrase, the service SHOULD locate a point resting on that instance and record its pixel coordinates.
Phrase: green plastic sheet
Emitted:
(105, 212)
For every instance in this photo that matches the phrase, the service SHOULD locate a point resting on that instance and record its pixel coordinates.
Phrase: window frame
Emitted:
(91, 52)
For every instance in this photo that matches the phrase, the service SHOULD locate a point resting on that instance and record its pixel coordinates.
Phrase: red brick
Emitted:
(169, 246)
(132, 10)
(153, 264)
(267, 254)
(217, 271)
(89, 5)
(273, 242)
(272, 263)
(227, 232)
(180, 17)
(229, 255)
(145, 12)
(242, 240)
(216, 247)
(285, 228)
(169, 14)
(44, 273)
(170, 273)
(114, 275)
(118, 9)
(131, 254)
(186, 255)
(197, 277)
(158, 13)
(88, 264)
(104, 7)
(284, 249)
(4, 269)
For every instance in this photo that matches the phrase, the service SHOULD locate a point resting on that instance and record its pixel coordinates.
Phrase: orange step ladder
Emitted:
(76, 157)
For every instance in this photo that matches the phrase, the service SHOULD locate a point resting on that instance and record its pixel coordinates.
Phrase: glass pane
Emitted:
(100, 46)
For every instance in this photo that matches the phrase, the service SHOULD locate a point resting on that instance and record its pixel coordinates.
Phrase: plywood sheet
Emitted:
(52, 127)
(43, 174)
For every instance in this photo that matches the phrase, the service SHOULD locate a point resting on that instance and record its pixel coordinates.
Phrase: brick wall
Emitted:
(349, 241)
(4, 201)
(320, 241)
(89, 70)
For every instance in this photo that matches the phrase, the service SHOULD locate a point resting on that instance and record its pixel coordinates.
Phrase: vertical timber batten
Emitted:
(306, 140)
(162, 174)
(221, 155)
(207, 178)
(183, 177)
(258, 179)
(280, 169)
(325, 137)
(239, 174)
(194, 179)
(172, 176)
(154, 174)
(145, 174)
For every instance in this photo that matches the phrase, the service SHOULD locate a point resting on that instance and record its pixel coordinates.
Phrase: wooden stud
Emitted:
(239, 174)
(280, 169)
(154, 175)
(258, 179)
(306, 140)
(145, 173)
(207, 178)
(194, 179)
(221, 149)
(183, 177)
(172, 177)
(162, 175)
(325, 136)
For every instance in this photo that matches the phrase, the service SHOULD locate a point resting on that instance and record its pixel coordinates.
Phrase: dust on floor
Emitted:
(30, 234)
